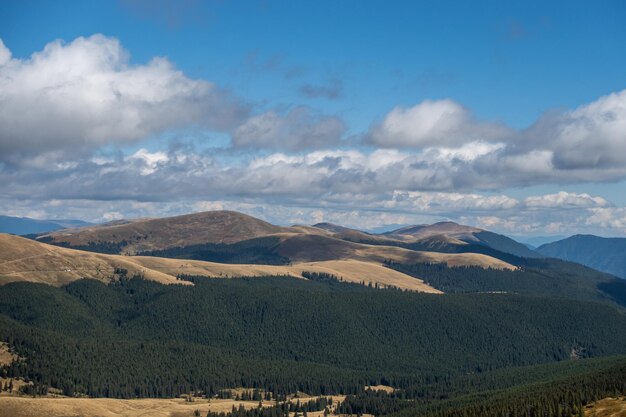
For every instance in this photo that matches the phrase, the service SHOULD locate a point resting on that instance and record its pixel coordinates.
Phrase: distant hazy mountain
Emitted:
(536, 241)
(601, 253)
(25, 225)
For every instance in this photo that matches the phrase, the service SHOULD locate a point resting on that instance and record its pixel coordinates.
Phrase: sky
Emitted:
(505, 115)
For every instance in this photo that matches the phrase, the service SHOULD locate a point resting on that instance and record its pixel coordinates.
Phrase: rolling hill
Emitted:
(231, 237)
(447, 237)
(154, 234)
(601, 253)
(451, 234)
(229, 244)
(27, 260)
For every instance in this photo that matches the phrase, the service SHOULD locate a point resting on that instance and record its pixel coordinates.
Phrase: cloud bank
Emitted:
(435, 159)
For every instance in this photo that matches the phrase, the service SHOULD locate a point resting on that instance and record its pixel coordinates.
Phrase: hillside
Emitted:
(447, 235)
(601, 253)
(441, 228)
(231, 237)
(27, 260)
(137, 338)
(354, 235)
(155, 234)
(309, 248)
(23, 259)
(109, 407)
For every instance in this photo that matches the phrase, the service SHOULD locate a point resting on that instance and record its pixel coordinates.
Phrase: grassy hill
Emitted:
(231, 237)
(154, 234)
(27, 260)
(453, 234)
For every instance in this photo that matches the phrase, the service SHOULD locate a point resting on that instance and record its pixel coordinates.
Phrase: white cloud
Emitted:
(563, 199)
(111, 215)
(587, 144)
(149, 161)
(5, 53)
(451, 202)
(85, 94)
(433, 123)
(612, 218)
(592, 136)
(433, 160)
(500, 213)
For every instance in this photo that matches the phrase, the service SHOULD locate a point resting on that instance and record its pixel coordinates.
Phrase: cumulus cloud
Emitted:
(499, 213)
(299, 128)
(5, 53)
(587, 144)
(611, 218)
(431, 161)
(85, 94)
(592, 136)
(433, 123)
(148, 161)
(450, 202)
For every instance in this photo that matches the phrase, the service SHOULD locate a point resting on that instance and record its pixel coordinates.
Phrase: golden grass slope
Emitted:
(109, 407)
(27, 260)
(312, 248)
(6, 356)
(14, 406)
(607, 407)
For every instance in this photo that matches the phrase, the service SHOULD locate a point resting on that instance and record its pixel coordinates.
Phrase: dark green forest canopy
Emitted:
(262, 250)
(545, 277)
(140, 338)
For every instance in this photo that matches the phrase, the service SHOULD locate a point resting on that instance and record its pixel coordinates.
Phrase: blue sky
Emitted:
(507, 60)
(330, 74)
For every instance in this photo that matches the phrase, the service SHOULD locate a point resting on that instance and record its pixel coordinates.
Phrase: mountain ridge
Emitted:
(26, 225)
(607, 254)
(320, 242)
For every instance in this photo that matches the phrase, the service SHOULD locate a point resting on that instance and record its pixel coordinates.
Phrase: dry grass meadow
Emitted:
(607, 407)
(14, 406)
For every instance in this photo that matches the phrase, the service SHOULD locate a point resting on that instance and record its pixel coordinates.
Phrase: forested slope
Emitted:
(139, 338)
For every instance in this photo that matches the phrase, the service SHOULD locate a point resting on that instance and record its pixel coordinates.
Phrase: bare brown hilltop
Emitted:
(161, 233)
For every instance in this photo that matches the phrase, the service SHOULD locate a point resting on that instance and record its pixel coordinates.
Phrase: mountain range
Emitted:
(228, 228)
(601, 253)
(25, 225)
(227, 237)
(442, 257)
